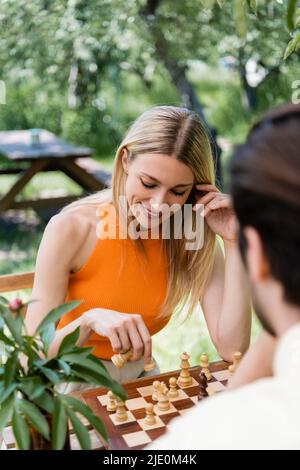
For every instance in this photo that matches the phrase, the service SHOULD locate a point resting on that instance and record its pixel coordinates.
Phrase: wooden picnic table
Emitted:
(27, 158)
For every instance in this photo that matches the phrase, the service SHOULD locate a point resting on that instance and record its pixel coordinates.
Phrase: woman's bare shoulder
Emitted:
(71, 229)
(74, 222)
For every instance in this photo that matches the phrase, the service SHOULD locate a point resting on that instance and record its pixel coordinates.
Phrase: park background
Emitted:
(86, 70)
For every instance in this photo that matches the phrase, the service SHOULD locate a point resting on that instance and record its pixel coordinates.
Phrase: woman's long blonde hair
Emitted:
(179, 133)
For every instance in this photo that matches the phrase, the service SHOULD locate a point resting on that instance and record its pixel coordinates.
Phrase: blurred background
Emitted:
(86, 70)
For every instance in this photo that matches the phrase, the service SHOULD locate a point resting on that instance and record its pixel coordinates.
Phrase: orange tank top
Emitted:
(115, 277)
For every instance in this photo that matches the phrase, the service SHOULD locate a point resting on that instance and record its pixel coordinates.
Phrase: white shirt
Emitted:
(262, 415)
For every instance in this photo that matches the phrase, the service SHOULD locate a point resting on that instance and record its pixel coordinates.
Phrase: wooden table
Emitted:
(49, 154)
(133, 434)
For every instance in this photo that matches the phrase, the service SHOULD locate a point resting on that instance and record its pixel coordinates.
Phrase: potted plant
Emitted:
(29, 398)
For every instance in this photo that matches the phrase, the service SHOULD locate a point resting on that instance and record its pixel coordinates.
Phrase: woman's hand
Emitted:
(218, 212)
(124, 331)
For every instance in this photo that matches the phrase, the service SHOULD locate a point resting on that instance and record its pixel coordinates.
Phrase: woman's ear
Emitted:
(257, 263)
(125, 159)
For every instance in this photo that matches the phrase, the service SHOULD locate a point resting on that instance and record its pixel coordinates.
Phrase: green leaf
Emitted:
(86, 362)
(80, 430)
(59, 425)
(3, 301)
(35, 417)
(33, 387)
(30, 349)
(69, 342)
(40, 362)
(72, 356)
(45, 401)
(85, 411)
(220, 3)
(10, 368)
(64, 366)
(20, 430)
(55, 314)
(297, 18)
(97, 379)
(14, 325)
(47, 336)
(253, 5)
(291, 14)
(5, 392)
(292, 46)
(52, 376)
(240, 19)
(6, 411)
(6, 340)
(208, 3)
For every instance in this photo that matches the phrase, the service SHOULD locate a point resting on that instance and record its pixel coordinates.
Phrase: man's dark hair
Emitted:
(265, 186)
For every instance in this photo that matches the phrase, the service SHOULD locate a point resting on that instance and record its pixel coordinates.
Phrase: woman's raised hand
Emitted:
(218, 211)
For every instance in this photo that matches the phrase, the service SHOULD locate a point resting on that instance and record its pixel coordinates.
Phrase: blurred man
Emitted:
(265, 186)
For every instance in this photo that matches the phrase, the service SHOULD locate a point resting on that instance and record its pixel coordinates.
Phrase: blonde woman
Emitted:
(131, 287)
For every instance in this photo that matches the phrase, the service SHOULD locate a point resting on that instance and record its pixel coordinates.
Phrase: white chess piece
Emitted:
(150, 416)
(173, 392)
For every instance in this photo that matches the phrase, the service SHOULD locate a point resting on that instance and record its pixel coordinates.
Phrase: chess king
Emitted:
(129, 286)
(265, 187)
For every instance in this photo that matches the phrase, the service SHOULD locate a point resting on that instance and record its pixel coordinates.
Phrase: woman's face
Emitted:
(155, 180)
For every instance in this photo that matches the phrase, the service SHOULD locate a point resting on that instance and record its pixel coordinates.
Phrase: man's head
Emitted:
(265, 186)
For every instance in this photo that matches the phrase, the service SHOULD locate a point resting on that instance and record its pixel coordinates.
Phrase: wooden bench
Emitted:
(14, 282)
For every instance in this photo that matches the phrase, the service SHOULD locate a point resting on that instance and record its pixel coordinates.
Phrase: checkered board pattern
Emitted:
(9, 442)
(135, 433)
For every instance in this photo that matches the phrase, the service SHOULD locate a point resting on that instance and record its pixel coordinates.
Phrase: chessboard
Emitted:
(9, 442)
(134, 433)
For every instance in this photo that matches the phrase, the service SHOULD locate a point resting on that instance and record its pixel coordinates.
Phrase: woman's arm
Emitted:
(226, 303)
(257, 362)
(61, 240)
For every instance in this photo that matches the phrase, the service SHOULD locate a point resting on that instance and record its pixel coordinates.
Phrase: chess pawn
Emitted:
(156, 385)
(237, 356)
(173, 392)
(121, 413)
(112, 404)
(120, 359)
(202, 386)
(204, 364)
(185, 379)
(150, 416)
